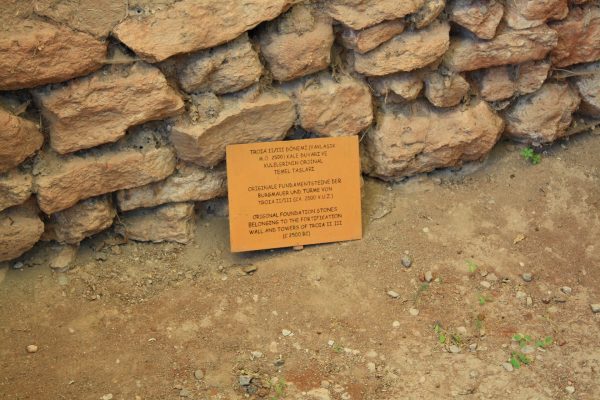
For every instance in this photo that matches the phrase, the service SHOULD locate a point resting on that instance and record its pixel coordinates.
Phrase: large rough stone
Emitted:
(531, 76)
(500, 83)
(20, 229)
(369, 38)
(298, 43)
(445, 90)
(508, 47)
(329, 107)
(191, 25)
(167, 223)
(99, 108)
(224, 69)
(406, 52)
(235, 119)
(427, 13)
(418, 138)
(543, 116)
(61, 182)
(34, 53)
(15, 188)
(588, 85)
(479, 16)
(97, 17)
(522, 14)
(398, 87)
(19, 139)
(188, 183)
(83, 220)
(360, 14)
(578, 37)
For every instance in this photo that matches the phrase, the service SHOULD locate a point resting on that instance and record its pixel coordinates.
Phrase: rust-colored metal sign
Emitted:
(293, 193)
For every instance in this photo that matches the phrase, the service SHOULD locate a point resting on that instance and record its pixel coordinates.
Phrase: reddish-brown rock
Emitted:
(532, 75)
(369, 38)
(64, 181)
(445, 90)
(360, 14)
(398, 87)
(578, 37)
(224, 69)
(189, 183)
(99, 108)
(405, 52)
(418, 138)
(83, 220)
(588, 85)
(191, 25)
(479, 16)
(508, 47)
(334, 107)
(167, 223)
(522, 14)
(20, 229)
(34, 53)
(235, 119)
(500, 83)
(427, 13)
(19, 139)
(298, 43)
(543, 116)
(15, 188)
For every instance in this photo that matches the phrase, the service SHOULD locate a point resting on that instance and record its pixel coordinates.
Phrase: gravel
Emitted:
(406, 261)
(527, 277)
(392, 294)
(595, 308)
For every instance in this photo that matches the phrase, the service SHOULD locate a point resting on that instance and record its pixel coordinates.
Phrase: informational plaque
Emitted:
(292, 193)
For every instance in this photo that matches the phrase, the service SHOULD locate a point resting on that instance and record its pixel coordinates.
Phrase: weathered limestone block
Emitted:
(369, 38)
(500, 83)
(224, 69)
(578, 37)
(188, 183)
(20, 229)
(61, 182)
(245, 118)
(19, 139)
(543, 116)
(35, 53)
(83, 220)
(418, 138)
(298, 43)
(404, 85)
(522, 14)
(167, 223)
(99, 108)
(97, 17)
(445, 90)
(191, 25)
(360, 14)
(508, 47)
(479, 16)
(427, 13)
(15, 188)
(588, 85)
(331, 107)
(406, 52)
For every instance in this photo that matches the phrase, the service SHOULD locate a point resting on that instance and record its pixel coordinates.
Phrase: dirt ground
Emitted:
(138, 321)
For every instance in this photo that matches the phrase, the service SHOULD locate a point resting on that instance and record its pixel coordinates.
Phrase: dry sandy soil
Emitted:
(136, 321)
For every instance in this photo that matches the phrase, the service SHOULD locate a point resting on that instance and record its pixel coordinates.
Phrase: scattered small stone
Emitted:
(521, 295)
(519, 238)
(245, 380)
(485, 284)
(32, 348)
(428, 276)
(595, 308)
(414, 312)
(392, 294)
(184, 393)
(101, 256)
(249, 269)
(527, 349)
(330, 343)
(279, 362)
(491, 277)
(527, 277)
(570, 389)
(107, 397)
(371, 367)
(198, 374)
(473, 374)
(406, 261)
(325, 384)
(286, 332)
(566, 290)
(18, 265)
(298, 248)
(396, 324)
(461, 330)
(508, 366)
(346, 396)
(529, 301)
(454, 349)
(546, 300)
(256, 354)
(473, 347)
(426, 230)
(64, 258)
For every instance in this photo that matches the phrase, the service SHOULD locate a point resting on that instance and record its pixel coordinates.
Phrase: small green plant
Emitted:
(422, 289)
(279, 389)
(518, 358)
(337, 348)
(441, 334)
(530, 155)
(482, 299)
(472, 266)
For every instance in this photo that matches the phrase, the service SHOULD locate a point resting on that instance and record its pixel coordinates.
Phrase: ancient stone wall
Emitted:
(124, 108)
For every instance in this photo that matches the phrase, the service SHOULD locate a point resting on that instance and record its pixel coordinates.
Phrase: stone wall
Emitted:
(113, 108)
